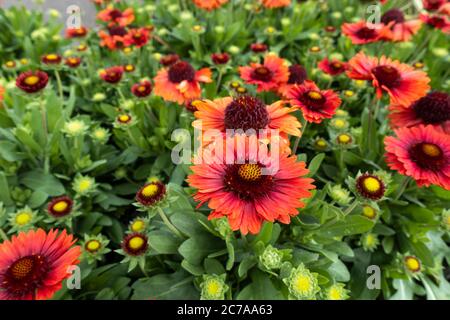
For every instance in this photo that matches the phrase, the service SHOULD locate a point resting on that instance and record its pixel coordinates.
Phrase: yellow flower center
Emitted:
(10, 64)
(52, 56)
(249, 172)
(129, 67)
(197, 28)
(369, 212)
(339, 123)
(349, 93)
(270, 30)
(100, 134)
(315, 95)
(372, 184)
(31, 80)
(302, 283)
(344, 138)
(321, 143)
(315, 49)
(23, 218)
(81, 47)
(136, 243)
(370, 240)
(418, 65)
(196, 103)
(335, 294)
(412, 264)
(84, 184)
(150, 190)
(24, 61)
(137, 226)
(241, 90)
(235, 84)
(213, 288)
(141, 88)
(431, 150)
(93, 245)
(60, 206)
(124, 118)
(127, 50)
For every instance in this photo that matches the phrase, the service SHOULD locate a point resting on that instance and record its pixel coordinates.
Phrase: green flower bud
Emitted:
(271, 258)
(340, 195)
(302, 283)
(213, 287)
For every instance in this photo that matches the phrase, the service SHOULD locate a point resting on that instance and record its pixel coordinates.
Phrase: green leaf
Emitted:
(163, 242)
(198, 247)
(45, 182)
(261, 288)
(351, 225)
(315, 163)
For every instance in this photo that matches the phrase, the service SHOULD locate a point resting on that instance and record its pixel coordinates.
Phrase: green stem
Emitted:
(168, 223)
(403, 187)
(60, 88)
(350, 209)
(297, 140)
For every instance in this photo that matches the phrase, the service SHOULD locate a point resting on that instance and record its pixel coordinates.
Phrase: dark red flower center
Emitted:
(387, 76)
(117, 31)
(427, 156)
(336, 66)
(25, 275)
(313, 99)
(437, 22)
(297, 74)
(366, 33)
(246, 112)
(262, 74)
(115, 14)
(433, 4)
(434, 108)
(395, 15)
(181, 71)
(247, 181)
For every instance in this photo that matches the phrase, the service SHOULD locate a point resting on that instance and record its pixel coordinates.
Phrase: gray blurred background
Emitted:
(86, 6)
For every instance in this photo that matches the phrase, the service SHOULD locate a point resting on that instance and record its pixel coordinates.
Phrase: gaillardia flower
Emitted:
(402, 82)
(72, 62)
(51, 59)
(315, 104)
(245, 112)
(142, 89)
(267, 76)
(180, 82)
(76, 32)
(436, 21)
(401, 29)
(135, 244)
(432, 109)
(151, 193)
(361, 32)
(421, 152)
(258, 47)
(137, 37)
(112, 75)
(213, 287)
(60, 206)
(369, 186)
(336, 292)
(251, 186)
(302, 283)
(209, 4)
(333, 67)
(220, 58)
(34, 264)
(272, 4)
(32, 81)
(115, 16)
(297, 75)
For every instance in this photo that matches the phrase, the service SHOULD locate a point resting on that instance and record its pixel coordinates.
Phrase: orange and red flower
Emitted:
(271, 4)
(73, 62)
(76, 32)
(252, 186)
(34, 264)
(433, 5)
(267, 76)
(401, 30)
(332, 67)
(421, 152)
(432, 109)
(245, 112)
(402, 82)
(315, 104)
(181, 82)
(115, 38)
(209, 4)
(137, 37)
(32, 81)
(116, 17)
(436, 21)
(142, 89)
(297, 75)
(112, 75)
(361, 33)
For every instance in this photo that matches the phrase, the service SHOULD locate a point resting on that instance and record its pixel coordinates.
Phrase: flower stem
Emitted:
(3, 235)
(351, 207)
(168, 223)
(297, 140)
(403, 187)
(60, 88)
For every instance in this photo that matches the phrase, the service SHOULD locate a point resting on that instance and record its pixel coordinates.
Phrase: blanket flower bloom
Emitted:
(267, 76)
(254, 187)
(402, 82)
(142, 89)
(361, 32)
(272, 4)
(51, 58)
(138, 37)
(34, 264)
(32, 81)
(333, 67)
(401, 29)
(209, 4)
(297, 75)
(112, 75)
(116, 17)
(315, 104)
(114, 38)
(76, 32)
(245, 112)
(180, 82)
(60, 206)
(421, 152)
(432, 109)
(436, 21)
